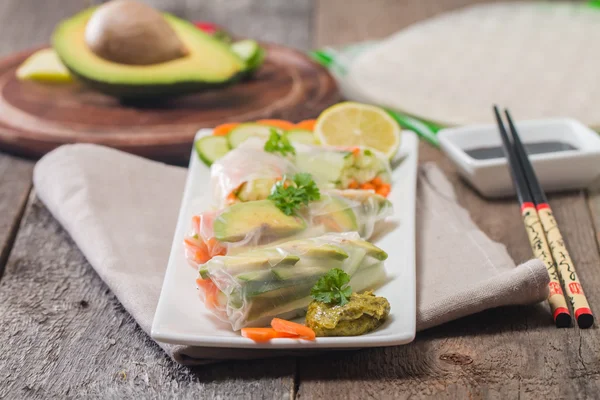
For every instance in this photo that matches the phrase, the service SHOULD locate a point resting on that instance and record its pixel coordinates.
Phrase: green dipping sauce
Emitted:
(364, 313)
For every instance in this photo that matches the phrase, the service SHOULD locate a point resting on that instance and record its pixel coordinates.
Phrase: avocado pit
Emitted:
(129, 32)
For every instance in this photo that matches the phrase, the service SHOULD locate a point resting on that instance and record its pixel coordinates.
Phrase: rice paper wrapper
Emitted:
(248, 172)
(248, 164)
(251, 287)
(242, 226)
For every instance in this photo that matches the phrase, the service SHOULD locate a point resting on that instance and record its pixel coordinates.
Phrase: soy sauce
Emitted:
(488, 153)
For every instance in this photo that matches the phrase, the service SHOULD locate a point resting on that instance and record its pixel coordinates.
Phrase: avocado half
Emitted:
(210, 63)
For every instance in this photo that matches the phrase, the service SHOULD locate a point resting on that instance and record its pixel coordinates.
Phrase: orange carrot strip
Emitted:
(281, 325)
(231, 198)
(211, 295)
(377, 181)
(367, 186)
(264, 334)
(210, 291)
(194, 244)
(308, 124)
(224, 129)
(353, 184)
(196, 223)
(356, 151)
(383, 190)
(277, 123)
(203, 283)
(202, 256)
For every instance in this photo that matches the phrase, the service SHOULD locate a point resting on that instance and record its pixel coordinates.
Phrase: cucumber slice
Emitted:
(325, 166)
(251, 52)
(244, 131)
(292, 273)
(211, 148)
(301, 136)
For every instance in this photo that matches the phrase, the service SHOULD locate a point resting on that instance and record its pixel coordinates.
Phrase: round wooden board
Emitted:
(38, 117)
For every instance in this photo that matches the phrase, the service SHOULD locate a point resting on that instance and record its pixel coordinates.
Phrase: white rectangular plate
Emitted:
(182, 319)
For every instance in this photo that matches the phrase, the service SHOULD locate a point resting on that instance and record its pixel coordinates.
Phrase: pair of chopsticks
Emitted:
(544, 236)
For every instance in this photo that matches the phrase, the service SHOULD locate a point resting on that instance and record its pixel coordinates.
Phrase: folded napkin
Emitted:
(121, 210)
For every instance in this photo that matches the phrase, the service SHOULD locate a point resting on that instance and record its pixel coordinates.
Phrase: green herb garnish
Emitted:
(278, 143)
(290, 196)
(332, 288)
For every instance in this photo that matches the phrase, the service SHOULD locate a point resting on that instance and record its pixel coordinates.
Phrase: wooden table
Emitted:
(63, 334)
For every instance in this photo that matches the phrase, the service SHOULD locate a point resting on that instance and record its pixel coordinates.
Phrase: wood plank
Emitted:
(504, 353)
(24, 24)
(15, 181)
(64, 334)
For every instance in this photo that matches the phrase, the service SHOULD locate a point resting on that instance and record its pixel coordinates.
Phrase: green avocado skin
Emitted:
(138, 92)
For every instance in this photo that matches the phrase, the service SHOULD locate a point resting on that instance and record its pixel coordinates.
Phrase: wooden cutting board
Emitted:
(38, 117)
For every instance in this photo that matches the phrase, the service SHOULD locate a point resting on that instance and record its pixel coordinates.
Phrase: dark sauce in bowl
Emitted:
(488, 153)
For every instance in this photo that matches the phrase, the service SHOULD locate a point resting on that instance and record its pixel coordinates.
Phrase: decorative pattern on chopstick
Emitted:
(565, 266)
(535, 231)
(541, 250)
(562, 259)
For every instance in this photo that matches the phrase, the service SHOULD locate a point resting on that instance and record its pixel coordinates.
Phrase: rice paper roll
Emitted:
(249, 172)
(255, 223)
(253, 286)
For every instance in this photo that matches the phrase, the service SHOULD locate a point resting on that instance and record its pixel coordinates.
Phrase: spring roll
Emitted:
(245, 225)
(249, 172)
(253, 286)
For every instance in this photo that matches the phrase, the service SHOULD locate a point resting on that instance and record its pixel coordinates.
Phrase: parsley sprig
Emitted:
(332, 288)
(289, 196)
(279, 143)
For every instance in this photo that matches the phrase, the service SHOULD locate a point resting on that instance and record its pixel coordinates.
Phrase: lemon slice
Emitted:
(45, 66)
(354, 124)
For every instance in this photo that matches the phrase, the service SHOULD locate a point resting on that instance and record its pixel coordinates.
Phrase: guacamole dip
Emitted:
(364, 313)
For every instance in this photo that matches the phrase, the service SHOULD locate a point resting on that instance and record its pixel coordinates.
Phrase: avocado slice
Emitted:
(370, 248)
(239, 220)
(209, 64)
(257, 189)
(291, 273)
(334, 213)
(308, 248)
(245, 267)
(251, 52)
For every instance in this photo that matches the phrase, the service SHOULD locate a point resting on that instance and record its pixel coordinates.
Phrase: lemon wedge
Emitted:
(354, 124)
(45, 66)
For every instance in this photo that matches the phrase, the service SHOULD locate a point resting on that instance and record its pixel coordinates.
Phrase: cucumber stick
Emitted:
(244, 131)
(301, 136)
(211, 148)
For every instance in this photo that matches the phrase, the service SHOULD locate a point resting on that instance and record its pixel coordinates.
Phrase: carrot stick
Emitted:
(264, 334)
(277, 123)
(196, 223)
(224, 129)
(383, 190)
(367, 186)
(353, 184)
(210, 291)
(377, 181)
(308, 124)
(281, 325)
(356, 151)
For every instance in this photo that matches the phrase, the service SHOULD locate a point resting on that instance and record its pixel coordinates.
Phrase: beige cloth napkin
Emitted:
(121, 210)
